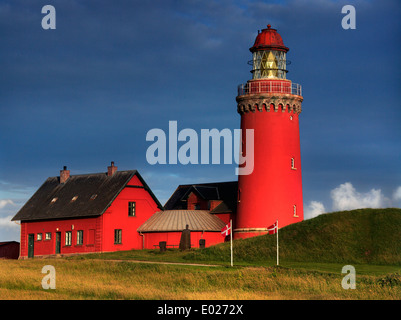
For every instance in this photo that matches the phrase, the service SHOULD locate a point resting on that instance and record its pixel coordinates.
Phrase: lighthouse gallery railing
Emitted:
(269, 87)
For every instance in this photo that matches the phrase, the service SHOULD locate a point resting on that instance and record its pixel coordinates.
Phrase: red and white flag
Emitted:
(273, 228)
(226, 230)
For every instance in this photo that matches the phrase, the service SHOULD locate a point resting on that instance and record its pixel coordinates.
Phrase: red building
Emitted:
(167, 226)
(270, 104)
(206, 208)
(9, 250)
(219, 198)
(86, 213)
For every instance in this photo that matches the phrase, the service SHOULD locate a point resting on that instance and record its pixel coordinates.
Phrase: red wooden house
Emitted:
(86, 213)
(206, 208)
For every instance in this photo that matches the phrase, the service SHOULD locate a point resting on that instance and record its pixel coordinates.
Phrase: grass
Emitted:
(110, 279)
(312, 254)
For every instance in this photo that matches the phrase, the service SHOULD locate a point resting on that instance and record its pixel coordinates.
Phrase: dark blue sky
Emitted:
(87, 93)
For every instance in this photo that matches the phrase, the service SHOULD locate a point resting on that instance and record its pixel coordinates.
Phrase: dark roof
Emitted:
(176, 220)
(54, 200)
(221, 208)
(225, 191)
(4, 243)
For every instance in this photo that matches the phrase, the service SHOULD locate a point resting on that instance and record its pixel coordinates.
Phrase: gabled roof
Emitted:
(176, 220)
(86, 195)
(225, 191)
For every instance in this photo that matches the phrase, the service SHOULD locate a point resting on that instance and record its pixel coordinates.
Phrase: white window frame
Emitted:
(68, 238)
(80, 237)
(293, 164)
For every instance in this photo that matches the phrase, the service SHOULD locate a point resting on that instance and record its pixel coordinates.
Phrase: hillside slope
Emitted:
(365, 236)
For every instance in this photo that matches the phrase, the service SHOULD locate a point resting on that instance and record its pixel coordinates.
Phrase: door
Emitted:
(58, 242)
(31, 238)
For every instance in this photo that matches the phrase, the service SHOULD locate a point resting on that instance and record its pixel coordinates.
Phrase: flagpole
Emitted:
(277, 239)
(231, 240)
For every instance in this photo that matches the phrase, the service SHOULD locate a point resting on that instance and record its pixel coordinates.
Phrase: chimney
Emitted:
(111, 169)
(64, 175)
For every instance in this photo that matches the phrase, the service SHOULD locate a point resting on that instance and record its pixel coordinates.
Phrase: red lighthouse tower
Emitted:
(270, 104)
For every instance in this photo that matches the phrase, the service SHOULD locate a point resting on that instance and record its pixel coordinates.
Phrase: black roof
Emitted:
(94, 194)
(5, 243)
(225, 191)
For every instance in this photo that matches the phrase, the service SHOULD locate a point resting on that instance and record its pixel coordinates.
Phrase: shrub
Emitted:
(390, 280)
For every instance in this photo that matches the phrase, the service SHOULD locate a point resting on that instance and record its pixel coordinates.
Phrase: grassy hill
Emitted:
(363, 236)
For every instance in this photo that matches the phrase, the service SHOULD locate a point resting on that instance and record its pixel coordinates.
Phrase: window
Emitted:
(54, 200)
(80, 237)
(293, 164)
(295, 211)
(131, 209)
(48, 236)
(68, 238)
(197, 206)
(117, 236)
(39, 237)
(74, 198)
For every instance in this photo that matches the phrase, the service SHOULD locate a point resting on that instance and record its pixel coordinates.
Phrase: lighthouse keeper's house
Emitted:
(86, 213)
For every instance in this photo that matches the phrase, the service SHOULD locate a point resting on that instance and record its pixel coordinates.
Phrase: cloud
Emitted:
(397, 194)
(345, 197)
(5, 222)
(3, 203)
(314, 209)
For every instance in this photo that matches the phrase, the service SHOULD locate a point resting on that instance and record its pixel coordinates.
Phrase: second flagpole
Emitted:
(231, 240)
(277, 239)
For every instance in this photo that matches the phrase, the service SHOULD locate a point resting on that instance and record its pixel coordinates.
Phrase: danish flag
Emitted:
(226, 230)
(273, 228)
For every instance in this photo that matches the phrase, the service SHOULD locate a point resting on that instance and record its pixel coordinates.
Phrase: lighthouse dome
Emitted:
(269, 39)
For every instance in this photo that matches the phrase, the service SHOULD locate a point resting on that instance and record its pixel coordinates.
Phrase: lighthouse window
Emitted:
(269, 64)
(295, 211)
(293, 164)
